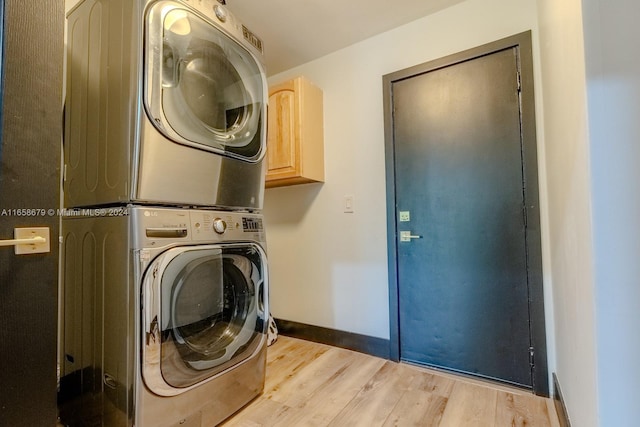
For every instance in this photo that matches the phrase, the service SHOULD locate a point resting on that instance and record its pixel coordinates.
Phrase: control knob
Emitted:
(219, 226)
(220, 12)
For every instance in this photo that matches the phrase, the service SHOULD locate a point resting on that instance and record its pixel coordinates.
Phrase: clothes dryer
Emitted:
(165, 105)
(165, 316)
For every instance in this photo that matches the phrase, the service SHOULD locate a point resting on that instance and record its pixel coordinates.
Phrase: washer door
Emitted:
(203, 313)
(202, 88)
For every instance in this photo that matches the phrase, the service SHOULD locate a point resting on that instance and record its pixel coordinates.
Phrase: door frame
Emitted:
(531, 209)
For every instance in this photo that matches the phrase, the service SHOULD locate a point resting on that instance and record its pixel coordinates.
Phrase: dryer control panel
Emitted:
(224, 19)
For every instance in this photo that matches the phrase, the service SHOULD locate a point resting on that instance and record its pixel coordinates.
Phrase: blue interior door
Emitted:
(462, 263)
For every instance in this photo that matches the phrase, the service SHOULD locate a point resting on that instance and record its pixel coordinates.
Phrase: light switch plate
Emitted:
(29, 233)
(348, 203)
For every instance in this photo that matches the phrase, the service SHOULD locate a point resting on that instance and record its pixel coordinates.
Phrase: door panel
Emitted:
(463, 291)
(31, 129)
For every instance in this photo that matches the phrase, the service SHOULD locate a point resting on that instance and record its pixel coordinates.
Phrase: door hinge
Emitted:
(531, 357)
(519, 82)
(524, 215)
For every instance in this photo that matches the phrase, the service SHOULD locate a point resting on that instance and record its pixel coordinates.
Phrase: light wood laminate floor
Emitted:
(310, 384)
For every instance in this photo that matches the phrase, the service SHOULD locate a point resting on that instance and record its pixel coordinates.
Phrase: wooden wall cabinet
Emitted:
(295, 137)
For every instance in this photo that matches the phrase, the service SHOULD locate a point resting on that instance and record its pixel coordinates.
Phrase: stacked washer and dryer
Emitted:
(164, 309)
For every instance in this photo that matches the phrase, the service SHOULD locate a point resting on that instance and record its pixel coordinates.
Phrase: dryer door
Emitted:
(204, 312)
(203, 88)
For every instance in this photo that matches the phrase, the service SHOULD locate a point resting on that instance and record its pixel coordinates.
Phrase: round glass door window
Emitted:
(202, 87)
(210, 313)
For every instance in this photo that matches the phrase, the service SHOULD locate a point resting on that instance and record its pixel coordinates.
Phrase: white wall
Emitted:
(569, 196)
(329, 268)
(613, 97)
(591, 78)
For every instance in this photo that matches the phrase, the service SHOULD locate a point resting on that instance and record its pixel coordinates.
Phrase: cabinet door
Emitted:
(281, 140)
(295, 141)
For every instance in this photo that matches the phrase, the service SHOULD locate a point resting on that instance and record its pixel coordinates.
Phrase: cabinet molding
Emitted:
(295, 136)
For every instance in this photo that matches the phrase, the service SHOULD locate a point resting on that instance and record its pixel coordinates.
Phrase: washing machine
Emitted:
(165, 316)
(165, 105)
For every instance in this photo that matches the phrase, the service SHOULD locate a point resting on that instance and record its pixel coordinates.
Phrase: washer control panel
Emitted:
(218, 225)
(159, 227)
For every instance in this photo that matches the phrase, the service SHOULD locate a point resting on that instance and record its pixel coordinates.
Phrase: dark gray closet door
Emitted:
(463, 291)
(31, 131)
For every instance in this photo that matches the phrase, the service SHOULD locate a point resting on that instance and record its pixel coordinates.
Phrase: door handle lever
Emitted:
(29, 241)
(406, 236)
